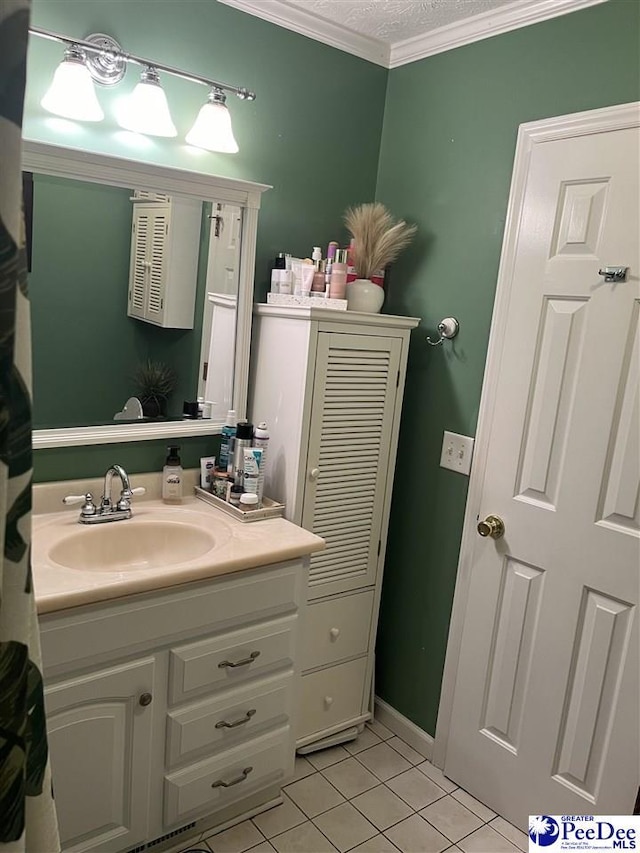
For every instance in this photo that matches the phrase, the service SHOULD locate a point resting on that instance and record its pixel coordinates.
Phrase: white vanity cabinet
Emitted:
(165, 240)
(172, 710)
(329, 384)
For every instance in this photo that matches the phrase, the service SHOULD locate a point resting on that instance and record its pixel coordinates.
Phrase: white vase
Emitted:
(365, 296)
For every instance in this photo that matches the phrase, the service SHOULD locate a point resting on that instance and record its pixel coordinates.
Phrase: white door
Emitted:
(545, 708)
(99, 732)
(354, 401)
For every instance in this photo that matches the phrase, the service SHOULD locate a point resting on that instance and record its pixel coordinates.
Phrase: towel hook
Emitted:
(447, 329)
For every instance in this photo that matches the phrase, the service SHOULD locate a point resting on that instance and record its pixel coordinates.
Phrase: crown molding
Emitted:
(519, 14)
(319, 29)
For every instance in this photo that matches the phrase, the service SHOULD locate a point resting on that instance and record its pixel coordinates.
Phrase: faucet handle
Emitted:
(125, 503)
(88, 506)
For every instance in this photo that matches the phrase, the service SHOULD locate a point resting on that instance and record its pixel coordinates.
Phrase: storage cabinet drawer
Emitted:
(215, 783)
(336, 629)
(231, 658)
(233, 717)
(331, 696)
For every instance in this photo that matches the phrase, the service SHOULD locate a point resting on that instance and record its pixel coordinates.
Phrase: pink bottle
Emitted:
(338, 282)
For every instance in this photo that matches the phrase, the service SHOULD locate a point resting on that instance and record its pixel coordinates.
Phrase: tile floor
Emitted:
(373, 795)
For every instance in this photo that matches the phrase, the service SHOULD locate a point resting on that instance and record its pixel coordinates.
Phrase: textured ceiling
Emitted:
(395, 20)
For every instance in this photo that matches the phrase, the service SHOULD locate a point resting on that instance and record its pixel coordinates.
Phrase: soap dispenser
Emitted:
(172, 475)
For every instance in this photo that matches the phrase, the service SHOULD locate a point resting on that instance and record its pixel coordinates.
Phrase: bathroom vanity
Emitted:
(170, 674)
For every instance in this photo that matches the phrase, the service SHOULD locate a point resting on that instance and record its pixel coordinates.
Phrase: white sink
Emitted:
(131, 545)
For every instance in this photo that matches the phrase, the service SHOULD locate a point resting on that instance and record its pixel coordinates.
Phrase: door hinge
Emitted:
(398, 379)
(379, 546)
(205, 371)
(161, 304)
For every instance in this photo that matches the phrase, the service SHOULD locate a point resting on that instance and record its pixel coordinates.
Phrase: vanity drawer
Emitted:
(331, 696)
(247, 711)
(336, 629)
(231, 658)
(215, 783)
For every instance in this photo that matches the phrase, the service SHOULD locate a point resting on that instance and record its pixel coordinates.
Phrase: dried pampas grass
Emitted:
(378, 240)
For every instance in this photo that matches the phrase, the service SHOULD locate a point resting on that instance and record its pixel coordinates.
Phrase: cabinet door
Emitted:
(138, 265)
(100, 742)
(149, 262)
(354, 396)
(158, 262)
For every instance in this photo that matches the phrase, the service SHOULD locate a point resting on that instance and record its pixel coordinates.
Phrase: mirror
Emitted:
(95, 327)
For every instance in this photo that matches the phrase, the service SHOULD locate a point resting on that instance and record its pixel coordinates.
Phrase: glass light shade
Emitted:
(72, 93)
(212, 128)
(146, 110)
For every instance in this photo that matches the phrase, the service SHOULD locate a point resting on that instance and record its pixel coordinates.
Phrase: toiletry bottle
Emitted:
(285, 284)
(244, 438)
(261, 440)
(338, 281)
(278, 266)
(226, 443)
(172, 477)
(317, 285)
(332, 248)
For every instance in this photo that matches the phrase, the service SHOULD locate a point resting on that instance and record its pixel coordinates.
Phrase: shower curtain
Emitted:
(27, 814)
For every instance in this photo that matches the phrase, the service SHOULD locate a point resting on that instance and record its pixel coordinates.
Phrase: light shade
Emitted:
(72, 93)
(146, 110)
(212, 128)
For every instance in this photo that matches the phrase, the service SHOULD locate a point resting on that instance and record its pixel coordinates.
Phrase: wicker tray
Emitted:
(269, 508)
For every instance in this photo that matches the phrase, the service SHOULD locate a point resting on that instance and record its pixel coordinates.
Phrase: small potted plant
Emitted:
(154, 381)
(377, 240)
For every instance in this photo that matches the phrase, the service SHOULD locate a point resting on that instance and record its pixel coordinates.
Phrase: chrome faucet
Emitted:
(91, 514)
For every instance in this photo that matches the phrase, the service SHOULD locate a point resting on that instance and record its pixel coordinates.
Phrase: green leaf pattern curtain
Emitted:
(27, 813)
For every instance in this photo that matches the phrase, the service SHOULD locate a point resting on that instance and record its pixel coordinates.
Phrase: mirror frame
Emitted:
(62, 162)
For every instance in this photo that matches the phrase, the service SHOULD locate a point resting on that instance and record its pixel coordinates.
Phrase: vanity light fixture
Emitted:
(146, 111)
(212, 128)
(72, 93)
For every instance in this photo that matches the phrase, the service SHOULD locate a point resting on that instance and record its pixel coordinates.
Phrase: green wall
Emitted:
(303, 134)
(447, 152)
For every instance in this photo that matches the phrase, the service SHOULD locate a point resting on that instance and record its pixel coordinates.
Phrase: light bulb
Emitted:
(72, 93)
(212, 128)
(146, 110)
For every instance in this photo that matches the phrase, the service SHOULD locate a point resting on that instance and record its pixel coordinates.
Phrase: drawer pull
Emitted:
(223, 724)
(328, 701)
(334, 633)
(228, 664)
(222, 784)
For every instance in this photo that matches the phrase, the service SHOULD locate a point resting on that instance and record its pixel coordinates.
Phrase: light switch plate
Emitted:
(457, 451)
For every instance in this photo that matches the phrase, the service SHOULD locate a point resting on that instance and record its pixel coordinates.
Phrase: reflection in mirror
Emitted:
(120, 278)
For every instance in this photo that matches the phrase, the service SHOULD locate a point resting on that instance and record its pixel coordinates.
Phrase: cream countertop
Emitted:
(238, 546)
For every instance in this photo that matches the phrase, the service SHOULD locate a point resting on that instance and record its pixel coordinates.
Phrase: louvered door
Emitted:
(354, 399)
(138, 264)
(158, 248)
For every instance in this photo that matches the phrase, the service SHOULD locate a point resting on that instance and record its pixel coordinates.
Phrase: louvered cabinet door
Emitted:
(157, 255)
(139, 265)
(353, 407)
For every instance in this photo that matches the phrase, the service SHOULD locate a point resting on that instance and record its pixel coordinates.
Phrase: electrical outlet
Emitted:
(457, 451)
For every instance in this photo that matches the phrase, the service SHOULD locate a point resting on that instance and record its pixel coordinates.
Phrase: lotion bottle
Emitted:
(172, 475)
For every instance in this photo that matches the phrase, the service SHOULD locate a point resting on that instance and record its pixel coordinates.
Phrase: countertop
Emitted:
(238, 546)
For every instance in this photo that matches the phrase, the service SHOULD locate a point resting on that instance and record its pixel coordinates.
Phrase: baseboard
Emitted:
(404, 728)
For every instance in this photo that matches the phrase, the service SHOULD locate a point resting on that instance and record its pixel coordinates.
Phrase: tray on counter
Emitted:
(269, 508)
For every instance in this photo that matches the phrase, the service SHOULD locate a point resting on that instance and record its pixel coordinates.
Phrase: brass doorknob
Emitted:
(492, 526)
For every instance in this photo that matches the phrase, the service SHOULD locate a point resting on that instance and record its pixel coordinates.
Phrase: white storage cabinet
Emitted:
(330, 386)
(163, 269)
(172, 710)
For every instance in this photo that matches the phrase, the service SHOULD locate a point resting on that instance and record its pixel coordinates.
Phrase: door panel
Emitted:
(545, 706)
(100, 742)
(349, 444)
